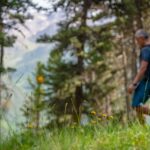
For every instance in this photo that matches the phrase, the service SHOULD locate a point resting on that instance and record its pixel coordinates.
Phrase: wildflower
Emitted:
(93, 112)
(40, 79)
(104, 115)
(93, 122)
(111, 117)
(30, 126)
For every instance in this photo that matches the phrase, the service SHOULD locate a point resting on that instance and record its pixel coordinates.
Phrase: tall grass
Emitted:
(111, 136)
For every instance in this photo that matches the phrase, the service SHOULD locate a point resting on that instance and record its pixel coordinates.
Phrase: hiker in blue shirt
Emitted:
(141, 83)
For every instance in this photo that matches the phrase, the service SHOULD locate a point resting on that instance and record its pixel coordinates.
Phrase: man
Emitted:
(141, 83)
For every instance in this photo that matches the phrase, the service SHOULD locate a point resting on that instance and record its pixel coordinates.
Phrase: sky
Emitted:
(42, 3)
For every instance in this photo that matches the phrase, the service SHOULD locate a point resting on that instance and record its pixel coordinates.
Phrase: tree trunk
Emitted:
(126, 85)
(79, 97)
(1, 50)
(1, 57)
(1, 40)
(38, 111)
(138, 24)
(37, 119)
(138, 4)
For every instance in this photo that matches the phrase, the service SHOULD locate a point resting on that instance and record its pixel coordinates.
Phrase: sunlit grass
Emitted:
(109, 136)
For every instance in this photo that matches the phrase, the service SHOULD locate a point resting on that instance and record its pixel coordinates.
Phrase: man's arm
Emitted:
(139, 76)
(142, 70)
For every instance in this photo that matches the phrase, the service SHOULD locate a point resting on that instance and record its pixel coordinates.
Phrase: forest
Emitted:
(76, 97)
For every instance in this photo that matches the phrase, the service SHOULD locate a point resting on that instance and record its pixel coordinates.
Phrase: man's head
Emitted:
(141, 37)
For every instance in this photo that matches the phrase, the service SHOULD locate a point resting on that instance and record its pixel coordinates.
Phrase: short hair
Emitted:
(141, 33)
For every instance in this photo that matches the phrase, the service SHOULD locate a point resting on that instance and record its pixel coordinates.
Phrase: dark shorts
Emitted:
(141, 93)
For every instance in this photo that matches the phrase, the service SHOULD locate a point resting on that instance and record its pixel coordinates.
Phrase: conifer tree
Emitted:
(34, 105)
(12, 13)
(86, 44)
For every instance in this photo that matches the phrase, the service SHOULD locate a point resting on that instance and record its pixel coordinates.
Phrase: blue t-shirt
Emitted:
(145, 55)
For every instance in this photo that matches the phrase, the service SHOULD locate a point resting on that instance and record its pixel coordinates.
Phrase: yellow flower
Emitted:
(93, 112)
(93, 122)
(104, 115)
(40, 79)
(111, 117)
(30, 126)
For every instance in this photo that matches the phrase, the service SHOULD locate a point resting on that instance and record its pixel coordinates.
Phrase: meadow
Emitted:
(94, 136)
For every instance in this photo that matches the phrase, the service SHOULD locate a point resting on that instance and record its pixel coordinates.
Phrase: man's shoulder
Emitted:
(146, 49)
(145, 53)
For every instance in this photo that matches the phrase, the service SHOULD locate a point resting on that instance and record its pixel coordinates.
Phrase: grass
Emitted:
(91, 137)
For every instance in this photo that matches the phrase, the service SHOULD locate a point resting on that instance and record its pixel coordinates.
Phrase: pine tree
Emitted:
(34, 105)
(79, 78)
(87, 45)
(12, 13)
